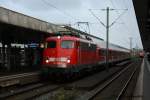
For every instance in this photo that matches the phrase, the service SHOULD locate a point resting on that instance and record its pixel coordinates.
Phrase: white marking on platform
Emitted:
(148, 65)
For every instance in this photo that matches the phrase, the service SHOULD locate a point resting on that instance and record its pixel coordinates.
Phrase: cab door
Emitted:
(78, 52)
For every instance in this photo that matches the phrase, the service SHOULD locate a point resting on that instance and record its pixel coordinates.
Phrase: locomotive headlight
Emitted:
(47, 61)
(68, 61)
(58, 37)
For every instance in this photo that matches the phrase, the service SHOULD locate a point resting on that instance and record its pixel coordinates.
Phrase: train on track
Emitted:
(71, 53)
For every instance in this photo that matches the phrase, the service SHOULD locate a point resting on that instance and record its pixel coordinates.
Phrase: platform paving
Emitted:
(146, 81)
(142, 91)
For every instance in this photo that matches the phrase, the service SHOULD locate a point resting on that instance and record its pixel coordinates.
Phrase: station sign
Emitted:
(33, 45)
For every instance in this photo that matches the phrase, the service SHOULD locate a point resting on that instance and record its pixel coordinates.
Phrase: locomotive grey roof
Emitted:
(102, 44)
(80, 32)
(99, 41)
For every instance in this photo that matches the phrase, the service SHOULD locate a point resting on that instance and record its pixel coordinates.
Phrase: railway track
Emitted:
(116, 87)
(21, 79)
(11, 84)
(29, 92)
(84, 86)
(101, 85)
(25, 86)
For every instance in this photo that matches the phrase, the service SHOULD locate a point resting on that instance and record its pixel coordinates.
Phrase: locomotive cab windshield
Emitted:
(67, 44)
(51, 44)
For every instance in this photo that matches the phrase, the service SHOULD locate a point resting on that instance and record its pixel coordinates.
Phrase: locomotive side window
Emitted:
(87, 46)
(84, 46)
(67, 44)
(93, 47)
(103, 52)
(51, 44)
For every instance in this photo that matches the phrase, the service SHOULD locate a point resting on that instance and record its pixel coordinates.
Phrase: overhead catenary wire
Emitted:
(100, 22)
(111, 1)
(85, 24)
(58, 9)
(117, 18)
(106, 26)
(119, 15)
(124, 3)
(65, 13)
(114, 6)
(113, 21)
(97, 18)
(80, 27)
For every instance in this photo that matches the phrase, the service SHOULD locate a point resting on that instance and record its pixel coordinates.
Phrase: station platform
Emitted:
(142, 90)
(19, 70)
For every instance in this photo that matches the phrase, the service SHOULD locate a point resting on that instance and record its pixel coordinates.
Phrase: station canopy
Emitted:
(142, 10)
(19, 28)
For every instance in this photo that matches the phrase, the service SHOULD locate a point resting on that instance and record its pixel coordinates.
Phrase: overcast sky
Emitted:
(72, 11)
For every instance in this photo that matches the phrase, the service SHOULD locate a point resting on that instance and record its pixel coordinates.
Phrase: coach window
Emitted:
(67, 44)
(103, 53)
(51, 44)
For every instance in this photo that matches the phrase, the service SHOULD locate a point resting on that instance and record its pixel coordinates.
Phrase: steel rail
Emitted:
(91, 94)
(125, 86)
(3, 78)
(29, 92)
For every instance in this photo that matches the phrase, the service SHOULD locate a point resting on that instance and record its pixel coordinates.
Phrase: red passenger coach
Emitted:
(141, 54)
(70, 53)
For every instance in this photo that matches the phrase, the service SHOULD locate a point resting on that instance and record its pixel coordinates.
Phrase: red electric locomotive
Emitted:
(68, 53)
